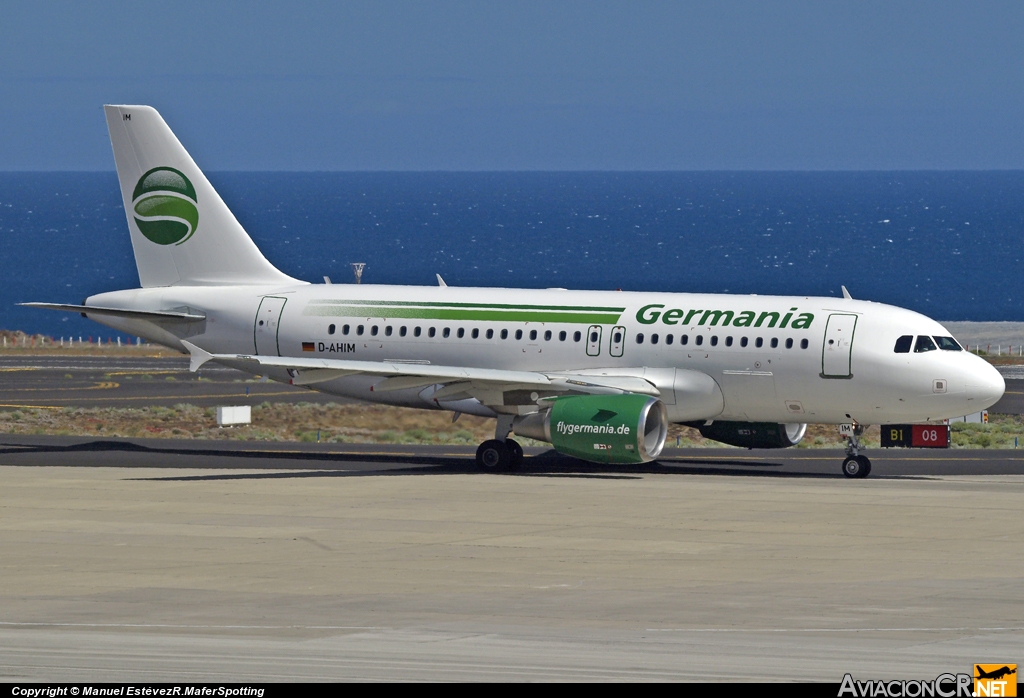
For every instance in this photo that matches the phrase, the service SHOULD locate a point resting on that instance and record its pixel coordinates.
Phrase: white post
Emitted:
(118, 341)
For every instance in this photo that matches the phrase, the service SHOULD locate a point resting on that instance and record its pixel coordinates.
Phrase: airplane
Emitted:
(995, 674)
(599, 375)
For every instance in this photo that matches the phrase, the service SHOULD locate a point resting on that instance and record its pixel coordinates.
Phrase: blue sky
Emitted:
(522, 85)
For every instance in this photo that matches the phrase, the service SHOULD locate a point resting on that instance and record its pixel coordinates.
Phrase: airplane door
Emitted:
(617, 341)
(835, 355)
(594, 340)
(267, 326)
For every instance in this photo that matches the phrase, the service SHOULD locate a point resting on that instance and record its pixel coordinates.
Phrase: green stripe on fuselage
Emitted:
(477, 312)
(484, 306)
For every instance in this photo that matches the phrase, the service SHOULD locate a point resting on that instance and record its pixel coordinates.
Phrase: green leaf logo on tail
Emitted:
(164, 202)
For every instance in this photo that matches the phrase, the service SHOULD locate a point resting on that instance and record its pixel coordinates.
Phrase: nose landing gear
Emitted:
(856, 465)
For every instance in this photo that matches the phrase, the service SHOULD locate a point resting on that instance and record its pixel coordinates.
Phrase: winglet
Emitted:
(846, 294)
(440, 281)
(199, 356)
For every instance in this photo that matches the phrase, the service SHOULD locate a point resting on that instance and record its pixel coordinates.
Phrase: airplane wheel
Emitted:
(515, 454)
(856, 467)
(493, 456)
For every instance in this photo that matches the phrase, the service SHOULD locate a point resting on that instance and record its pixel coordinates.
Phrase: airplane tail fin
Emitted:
(182, 232)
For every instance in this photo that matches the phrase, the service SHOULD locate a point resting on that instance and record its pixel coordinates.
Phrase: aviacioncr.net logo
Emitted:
(164, 203)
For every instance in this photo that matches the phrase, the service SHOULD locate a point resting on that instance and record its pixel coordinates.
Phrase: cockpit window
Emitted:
(903, 344)
(924, 343)
(948, 344)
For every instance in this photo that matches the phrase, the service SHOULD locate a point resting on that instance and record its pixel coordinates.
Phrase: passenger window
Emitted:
(344, 329)
(728, 341)
(388, 330)
(948, 344)
(577, 336)
(669, 339)
(561, 336)
(593, 336)
(775, 342)
(519, 334)
(654, 339)
(714, 340)
(617, 337)
(504, 334)
(533, 335)
(417, 332)
(446, 332)
(359, 330)
(789, 343)
(330, 329)
(684, 340)
(461, 332)
(743, 341)
(373, 331)
(903, 344)
(431, 332)
(402, 331)
(758, 342)
(547, 336)
(476, 332)
(924, 343)
(490, 334)
(640, 338)
(699, 340)
(803, 343)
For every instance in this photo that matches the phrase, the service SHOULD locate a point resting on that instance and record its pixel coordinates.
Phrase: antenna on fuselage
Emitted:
(357, 269)
(846, 294)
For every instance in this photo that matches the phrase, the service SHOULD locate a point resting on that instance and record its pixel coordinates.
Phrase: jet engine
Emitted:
(752, 434)
(600, 428)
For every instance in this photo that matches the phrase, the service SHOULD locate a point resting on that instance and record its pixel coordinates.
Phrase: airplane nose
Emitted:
(984, 386)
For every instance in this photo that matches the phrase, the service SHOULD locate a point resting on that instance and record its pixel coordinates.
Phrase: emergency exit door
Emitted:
(594, 340)
(267, 327)
(836, 359)
(617, 341)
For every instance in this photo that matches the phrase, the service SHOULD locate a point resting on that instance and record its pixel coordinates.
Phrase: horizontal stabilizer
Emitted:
(120, 312)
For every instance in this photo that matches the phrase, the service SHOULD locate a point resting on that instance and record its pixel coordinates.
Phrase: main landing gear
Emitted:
(501, 453)
(856, 465)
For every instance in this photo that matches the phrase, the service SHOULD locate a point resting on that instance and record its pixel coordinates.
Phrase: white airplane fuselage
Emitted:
(786, 359)
(598, 374)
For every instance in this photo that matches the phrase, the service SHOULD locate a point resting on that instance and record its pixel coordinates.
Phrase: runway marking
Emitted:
(142, 372)
(180, 396)
(215, 627)
(879, 456)
(35, 407)
(384, 627)
(105, 385)
(829, 630)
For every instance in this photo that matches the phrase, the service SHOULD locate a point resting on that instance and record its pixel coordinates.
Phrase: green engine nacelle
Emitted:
(601, 428)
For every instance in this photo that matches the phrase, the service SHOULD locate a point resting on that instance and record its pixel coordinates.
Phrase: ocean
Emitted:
(947, 244)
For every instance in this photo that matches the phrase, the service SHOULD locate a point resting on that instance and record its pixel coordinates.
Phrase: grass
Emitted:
(382, 424)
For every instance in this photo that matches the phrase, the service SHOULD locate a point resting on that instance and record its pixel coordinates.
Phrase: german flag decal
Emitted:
(308, 346)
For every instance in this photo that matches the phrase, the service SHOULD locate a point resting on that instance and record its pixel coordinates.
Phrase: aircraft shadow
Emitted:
(550, 464)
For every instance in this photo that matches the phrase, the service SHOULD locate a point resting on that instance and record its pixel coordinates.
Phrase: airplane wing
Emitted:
(488, 385)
